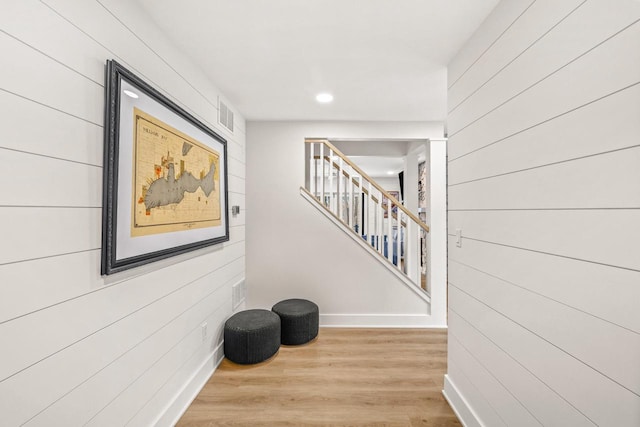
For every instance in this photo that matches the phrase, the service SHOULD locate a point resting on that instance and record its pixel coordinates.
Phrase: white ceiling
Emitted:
(381, 59)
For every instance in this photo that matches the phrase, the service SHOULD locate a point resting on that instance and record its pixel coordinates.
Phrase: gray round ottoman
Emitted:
(299, 319)
(251, 336)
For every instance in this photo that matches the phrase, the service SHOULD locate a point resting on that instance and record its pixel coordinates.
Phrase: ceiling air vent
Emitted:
(225, 116)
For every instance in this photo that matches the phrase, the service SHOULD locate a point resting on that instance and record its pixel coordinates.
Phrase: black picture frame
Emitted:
(203, 213)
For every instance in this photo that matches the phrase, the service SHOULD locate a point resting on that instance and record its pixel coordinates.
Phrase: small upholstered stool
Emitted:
(251, 336)
(299, 319)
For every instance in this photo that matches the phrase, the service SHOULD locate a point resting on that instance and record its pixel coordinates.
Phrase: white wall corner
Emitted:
(438, 228)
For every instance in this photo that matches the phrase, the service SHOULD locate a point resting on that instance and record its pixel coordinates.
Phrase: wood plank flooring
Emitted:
(346, 377)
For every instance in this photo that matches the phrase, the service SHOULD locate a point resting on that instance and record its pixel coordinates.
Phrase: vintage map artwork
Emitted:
(176, 179)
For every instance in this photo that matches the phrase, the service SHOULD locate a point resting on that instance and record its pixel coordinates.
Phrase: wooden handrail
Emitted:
(337, 152)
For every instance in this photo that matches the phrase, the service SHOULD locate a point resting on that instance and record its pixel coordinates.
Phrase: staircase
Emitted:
(365, 211)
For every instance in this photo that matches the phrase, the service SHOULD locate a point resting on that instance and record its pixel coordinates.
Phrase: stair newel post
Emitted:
(410, 249)
(412, 254)
(406, 247)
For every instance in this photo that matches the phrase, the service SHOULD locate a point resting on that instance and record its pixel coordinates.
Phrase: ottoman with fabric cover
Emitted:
(299, 319)
(251, 336)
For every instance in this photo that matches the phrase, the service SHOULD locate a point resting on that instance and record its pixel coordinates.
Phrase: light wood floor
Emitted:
(346, 377)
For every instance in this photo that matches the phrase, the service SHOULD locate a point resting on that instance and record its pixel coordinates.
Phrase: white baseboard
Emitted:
(176, 409)
(459, 404)
(378, 321)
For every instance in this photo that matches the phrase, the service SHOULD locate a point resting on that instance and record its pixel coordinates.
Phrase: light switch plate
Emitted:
(459, 237)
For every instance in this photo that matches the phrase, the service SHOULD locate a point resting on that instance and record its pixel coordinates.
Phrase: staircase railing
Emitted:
(362, 205)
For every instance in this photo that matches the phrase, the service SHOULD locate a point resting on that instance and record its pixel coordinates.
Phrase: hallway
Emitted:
(390, 377)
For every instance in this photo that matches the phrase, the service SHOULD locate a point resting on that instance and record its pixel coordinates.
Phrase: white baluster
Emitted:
(398, 238)
(389, 232)
(340, 190)
(312, 169)
(378, 223)
(365, 210)
(356, 202)
(350, 210)
(418, 256)
(411, 258)
(322, 173)
(331, 189)
(374, 232)
(369, 215)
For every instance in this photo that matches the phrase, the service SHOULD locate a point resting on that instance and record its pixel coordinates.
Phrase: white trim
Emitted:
(381, 259)
(459, 404)
(185, 396)
(378, 321)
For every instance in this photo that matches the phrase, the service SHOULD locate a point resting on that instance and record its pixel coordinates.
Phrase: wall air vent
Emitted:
(238, 294)
(225, 116)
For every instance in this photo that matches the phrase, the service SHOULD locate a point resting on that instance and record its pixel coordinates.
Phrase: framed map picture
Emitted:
(165, 177)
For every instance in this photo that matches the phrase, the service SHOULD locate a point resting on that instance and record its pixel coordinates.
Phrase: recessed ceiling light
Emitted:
(131, 94)
(324, 97)
(390, 173)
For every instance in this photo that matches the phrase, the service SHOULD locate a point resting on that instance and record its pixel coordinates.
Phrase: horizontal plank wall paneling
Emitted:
(519, 113)
(570, 185)
(486, 413)
(51, 231)
(539, 19)
(505, 15)
(561, 44)
(531, 393)
(81, 348)
(31, 77)
(559, 370)
(601, 127)
(75, 185)
(568, 329)
(512, 413)
(592, 235)
(574, 283)
(58, 134)
(544, 150)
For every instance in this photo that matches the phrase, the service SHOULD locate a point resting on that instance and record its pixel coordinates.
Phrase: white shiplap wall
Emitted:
(79, 348)
(544, 182)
